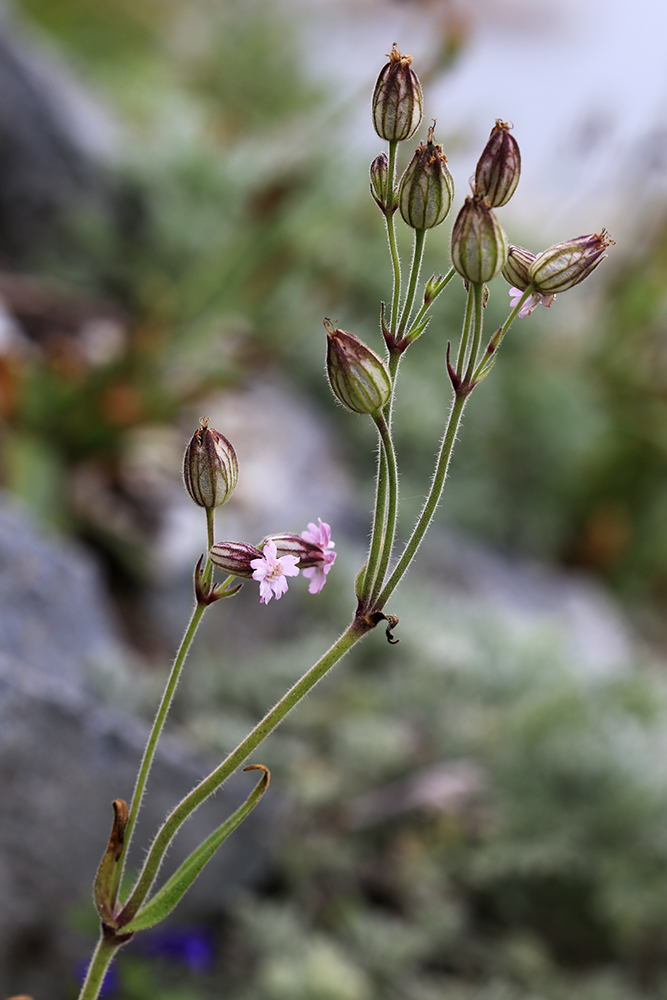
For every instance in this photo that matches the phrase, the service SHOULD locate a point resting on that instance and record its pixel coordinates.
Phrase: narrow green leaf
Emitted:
(485, 370)
(166, 898)
(417, 330)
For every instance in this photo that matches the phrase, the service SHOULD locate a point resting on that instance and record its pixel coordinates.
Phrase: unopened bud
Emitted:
(356, 374)
(566, 264)
(234, 558)
(499, 166)
(289, 544)
(427, 187)
(397, 99)
(479, 245)
(516, 270)
(210, 468)
(380, 184)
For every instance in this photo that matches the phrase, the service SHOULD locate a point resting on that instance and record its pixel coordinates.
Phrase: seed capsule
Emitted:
(479, 245)
(397, 99)
(516, 270)
(234, 558)
(499, 166)
(380, 183)
(357, 376)
(427, 187)
(566, 264)
(210, 468)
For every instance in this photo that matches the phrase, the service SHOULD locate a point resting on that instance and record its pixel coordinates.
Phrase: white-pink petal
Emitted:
(270, 572)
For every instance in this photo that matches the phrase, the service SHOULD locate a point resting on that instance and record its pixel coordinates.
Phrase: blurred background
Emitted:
(479, 813)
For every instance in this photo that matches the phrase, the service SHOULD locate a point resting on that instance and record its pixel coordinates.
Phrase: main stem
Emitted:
(99, 963)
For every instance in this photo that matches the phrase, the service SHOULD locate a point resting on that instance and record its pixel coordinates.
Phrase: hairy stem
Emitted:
(391, 236)
(415, 268)
(99, 963)
(158, 724)
(392, 506)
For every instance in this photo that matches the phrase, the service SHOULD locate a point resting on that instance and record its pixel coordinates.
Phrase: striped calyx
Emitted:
(479, 245)
(566, 264)
(516, 270)
(357, 376)
(210, 468)
(426, 189)
(397, 99)
(499, 166)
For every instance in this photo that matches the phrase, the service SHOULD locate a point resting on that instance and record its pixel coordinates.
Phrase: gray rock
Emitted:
(64, 757)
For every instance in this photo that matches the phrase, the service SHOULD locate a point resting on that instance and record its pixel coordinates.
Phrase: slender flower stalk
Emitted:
(158, 724)
(391, 237)
(417, 256)
(389, 529)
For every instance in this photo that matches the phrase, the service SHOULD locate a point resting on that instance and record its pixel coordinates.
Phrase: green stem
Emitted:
(415, 268)
(391, 236)
(99, 963)
(431, 502)
(378, 530)
(210, 784)
(149, 752)
(465, 335)
(477, 293)
(392, 506)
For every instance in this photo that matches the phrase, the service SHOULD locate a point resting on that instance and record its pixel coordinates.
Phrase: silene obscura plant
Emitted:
(365, 383)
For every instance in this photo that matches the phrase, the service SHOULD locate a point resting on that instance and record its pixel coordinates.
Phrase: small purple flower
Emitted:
(271, 571)
(532, 302)
(191, 947)
(319, 535)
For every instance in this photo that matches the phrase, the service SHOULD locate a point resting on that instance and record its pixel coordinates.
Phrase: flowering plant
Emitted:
(365, 383)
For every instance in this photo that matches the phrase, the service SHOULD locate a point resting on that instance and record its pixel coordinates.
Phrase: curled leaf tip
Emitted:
(259, 767)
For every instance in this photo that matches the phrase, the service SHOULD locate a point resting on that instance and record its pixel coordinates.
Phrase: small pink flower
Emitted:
(532, 302)
(319, 535)
(271, 571)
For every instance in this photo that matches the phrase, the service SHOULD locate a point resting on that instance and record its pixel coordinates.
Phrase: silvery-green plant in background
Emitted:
(366, 384)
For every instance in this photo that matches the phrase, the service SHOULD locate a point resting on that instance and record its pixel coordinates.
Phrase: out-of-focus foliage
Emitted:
(243, 235)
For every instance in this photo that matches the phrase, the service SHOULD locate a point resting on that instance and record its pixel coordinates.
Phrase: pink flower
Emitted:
(271, 571)
(532, 302)
(319, 535)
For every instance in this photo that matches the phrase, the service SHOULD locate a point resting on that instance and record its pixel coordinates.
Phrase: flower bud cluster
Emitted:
(397, 99)
(479, 245)
(556, 269)
(278, 557)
